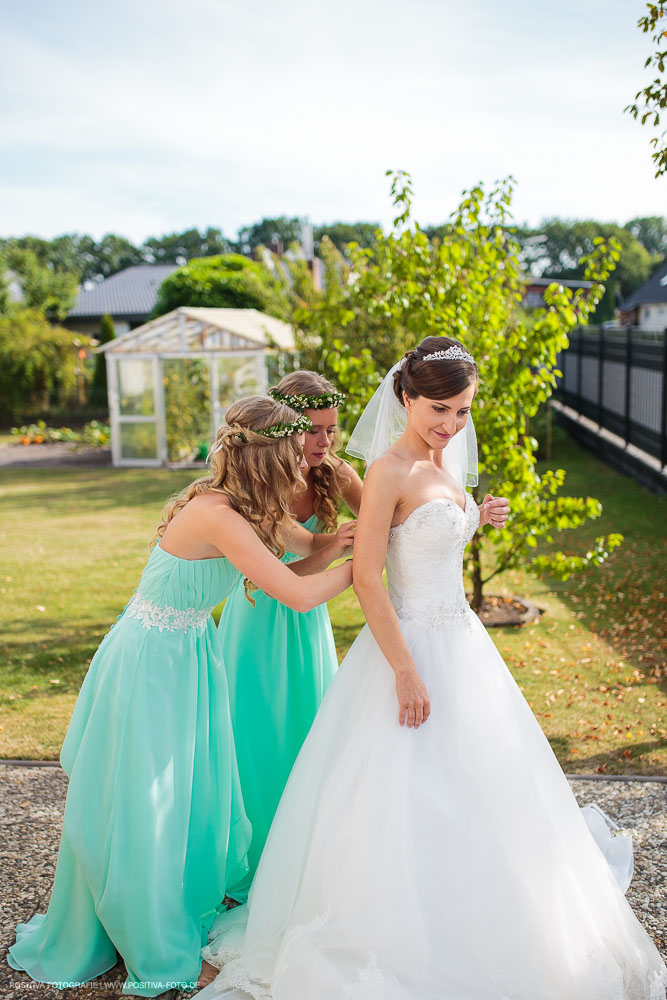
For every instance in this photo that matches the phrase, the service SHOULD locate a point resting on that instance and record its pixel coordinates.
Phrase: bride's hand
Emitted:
(414, 705)
(494, 511)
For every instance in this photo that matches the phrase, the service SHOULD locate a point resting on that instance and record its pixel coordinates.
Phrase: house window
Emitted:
(647, 312)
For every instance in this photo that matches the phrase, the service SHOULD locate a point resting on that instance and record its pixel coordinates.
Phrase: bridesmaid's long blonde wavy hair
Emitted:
(257, 474)
(324, 477)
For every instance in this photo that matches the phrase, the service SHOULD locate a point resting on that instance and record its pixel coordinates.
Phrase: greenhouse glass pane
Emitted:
(187, 403)
(135, 387)
(138, 440)
(238, 377)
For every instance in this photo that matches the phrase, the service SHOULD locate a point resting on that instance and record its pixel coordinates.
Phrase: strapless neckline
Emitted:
(429, 503)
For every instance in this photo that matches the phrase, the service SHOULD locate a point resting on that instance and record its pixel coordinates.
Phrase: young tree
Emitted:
(469, 285)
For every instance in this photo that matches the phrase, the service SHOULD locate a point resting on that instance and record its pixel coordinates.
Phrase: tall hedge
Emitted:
(98, 389)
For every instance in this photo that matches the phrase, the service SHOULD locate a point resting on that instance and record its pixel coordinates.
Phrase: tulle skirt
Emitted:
(447, 863)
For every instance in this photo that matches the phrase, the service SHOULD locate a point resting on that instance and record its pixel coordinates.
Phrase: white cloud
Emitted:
(145, 117)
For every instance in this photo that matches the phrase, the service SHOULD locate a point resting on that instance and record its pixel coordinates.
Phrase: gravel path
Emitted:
(31, 808)
(49, 456)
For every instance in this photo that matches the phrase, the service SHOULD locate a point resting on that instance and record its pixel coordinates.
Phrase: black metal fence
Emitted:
(618, 378)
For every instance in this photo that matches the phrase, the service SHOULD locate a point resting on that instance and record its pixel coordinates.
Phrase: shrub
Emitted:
(226, 281)
(39, 364)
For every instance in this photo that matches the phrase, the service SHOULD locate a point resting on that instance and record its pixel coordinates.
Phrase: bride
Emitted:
(428, 846)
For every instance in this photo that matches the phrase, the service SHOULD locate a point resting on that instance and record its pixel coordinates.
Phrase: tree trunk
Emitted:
(475, 549)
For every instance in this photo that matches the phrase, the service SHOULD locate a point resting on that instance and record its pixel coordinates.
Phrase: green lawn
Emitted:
(74, 542)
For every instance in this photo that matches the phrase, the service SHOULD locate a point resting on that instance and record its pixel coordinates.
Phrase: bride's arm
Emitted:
(382, 489)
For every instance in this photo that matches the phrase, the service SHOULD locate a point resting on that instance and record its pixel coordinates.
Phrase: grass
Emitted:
(74, 542)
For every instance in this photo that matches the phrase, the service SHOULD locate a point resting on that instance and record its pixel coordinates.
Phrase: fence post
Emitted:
(580, 346)
(600, 365)
(663, 415)
(628, 382)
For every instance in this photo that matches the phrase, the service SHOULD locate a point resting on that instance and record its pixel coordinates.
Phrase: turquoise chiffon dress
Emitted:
(154, 831)
(279, 664)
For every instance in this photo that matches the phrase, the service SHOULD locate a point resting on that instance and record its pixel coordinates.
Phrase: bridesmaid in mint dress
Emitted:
(155, 830)
(280, 662)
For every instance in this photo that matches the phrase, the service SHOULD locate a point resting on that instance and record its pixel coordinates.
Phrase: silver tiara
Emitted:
(451, 354)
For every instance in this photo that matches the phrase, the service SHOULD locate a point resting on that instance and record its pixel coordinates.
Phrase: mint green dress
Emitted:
(279, 664)
(154, 831)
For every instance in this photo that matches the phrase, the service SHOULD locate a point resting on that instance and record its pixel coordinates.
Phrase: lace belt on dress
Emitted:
(164, 617)
(434, 615)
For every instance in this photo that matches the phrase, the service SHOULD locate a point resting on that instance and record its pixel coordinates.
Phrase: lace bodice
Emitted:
(425, 562)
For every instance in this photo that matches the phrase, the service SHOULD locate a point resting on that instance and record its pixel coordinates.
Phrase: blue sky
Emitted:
(151, 116)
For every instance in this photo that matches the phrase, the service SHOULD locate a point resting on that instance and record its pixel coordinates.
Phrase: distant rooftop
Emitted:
(131, 292)
(654, 290)
(566, 282)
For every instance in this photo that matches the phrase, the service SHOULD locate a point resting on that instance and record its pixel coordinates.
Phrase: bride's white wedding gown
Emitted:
(445, 863)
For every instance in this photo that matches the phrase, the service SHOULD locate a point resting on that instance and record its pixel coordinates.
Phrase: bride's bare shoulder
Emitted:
(387, 472)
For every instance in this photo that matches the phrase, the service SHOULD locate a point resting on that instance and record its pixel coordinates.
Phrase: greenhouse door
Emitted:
(136, 403)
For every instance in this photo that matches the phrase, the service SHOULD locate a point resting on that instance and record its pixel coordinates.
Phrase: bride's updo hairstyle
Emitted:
(257, 474)
(324, 477)
(438, 378)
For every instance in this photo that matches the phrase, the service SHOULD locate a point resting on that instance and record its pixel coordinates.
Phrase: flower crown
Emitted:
(302, 423)
(326, 401)
(453, 353)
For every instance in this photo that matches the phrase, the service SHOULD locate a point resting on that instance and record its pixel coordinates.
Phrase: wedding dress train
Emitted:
(445, 863)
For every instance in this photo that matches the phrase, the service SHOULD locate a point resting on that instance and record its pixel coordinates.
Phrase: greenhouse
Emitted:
(171, 379)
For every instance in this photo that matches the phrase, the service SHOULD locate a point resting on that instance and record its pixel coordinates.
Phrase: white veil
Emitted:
(384, 420)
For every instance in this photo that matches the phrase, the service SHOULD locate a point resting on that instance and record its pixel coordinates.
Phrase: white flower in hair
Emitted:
(453, 353)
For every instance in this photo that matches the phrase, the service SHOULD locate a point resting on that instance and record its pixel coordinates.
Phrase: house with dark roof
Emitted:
(128, 297)
(646, 308)
(533, 293)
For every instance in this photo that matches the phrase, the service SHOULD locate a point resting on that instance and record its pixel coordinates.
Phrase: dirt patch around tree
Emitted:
(498, 610)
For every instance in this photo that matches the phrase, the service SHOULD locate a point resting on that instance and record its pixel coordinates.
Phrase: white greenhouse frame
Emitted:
(188, 334)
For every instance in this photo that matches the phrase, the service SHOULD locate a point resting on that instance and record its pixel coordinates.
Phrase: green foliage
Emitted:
(224, 281)
(98, 388)
(44, 287)
(651, 231)
(355, 373)
(468, 284)
(187, 400)
(177, 248)
(95, 434)
(342, 234)
(276, 234)
(39, 364)
(653, 98)
(40, 433)
(559, 248)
